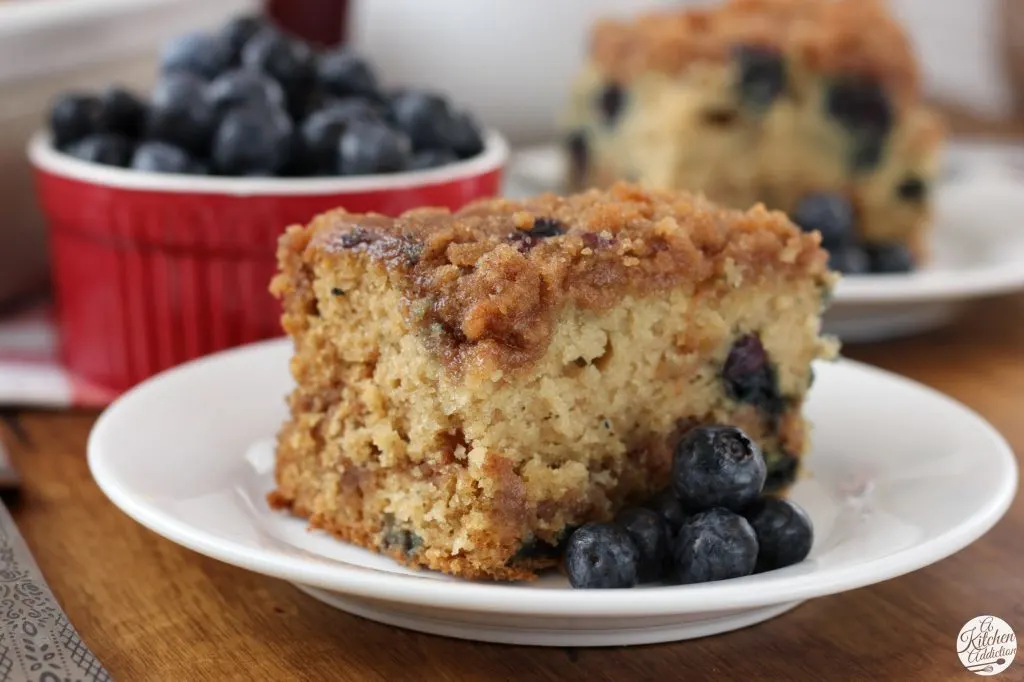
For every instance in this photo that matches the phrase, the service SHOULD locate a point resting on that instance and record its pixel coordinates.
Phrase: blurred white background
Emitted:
(512, 60)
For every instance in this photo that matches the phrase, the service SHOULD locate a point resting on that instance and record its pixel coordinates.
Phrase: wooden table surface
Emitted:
(152, 610)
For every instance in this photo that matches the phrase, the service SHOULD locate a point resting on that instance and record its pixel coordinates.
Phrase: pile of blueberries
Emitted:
(712, 523)
(832, 215)
(251, 100)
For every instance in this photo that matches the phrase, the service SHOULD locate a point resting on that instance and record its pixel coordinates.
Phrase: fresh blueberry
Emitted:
(750, 378)
(198, 53)
(667, 505)
(357, 107)
(425, 117)
(252, 141)
(432, 158)
(610, 101)
(913, 189)
(716, 544)
(109, 149)
(464, 136)
(242, 88)
(368, 147)
(649, 534)
(717, 466)
(784, 533)
(180, 113)
(601, 555)
(285, 59)
(238, 31)
(762, 75)
(160, 157)
(848, 259)
(343, 73)
(322, 131)
(122, 112)
(830, 214)
(863, 108)
(889, 258)
(73, 116)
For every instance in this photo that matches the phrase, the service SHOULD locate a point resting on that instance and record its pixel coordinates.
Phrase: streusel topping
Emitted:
(491, 276)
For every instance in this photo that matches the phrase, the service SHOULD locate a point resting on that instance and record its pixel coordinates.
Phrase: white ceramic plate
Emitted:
(978, 245)
(895, 485)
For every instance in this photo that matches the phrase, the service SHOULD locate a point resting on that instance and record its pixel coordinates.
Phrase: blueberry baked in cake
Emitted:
(812, 107)
(472, 386)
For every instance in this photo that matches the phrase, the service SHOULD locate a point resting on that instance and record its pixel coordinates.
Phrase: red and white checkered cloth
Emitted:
(30, 371)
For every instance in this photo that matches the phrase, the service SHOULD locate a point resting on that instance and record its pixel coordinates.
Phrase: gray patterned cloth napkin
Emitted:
(37, 643)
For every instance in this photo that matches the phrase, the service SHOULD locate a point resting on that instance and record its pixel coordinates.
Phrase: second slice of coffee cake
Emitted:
(472, 385)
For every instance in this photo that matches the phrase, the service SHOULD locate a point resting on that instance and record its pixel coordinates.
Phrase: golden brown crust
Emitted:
(485, 294)
(839, 37)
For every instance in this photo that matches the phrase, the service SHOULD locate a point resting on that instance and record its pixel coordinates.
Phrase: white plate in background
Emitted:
(893, 485)
(977, 243)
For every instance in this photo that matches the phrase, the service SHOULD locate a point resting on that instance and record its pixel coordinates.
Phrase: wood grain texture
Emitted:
(154, 611)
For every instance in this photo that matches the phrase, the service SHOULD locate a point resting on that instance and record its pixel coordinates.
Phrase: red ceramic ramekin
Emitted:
(151, 270)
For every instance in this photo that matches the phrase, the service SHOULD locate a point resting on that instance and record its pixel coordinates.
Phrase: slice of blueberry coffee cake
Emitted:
(472, 386)
(812, 107)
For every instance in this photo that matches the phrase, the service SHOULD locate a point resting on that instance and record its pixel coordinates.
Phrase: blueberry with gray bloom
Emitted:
(73, 116)
(108, 149)
(602, 556)
(651, 537)
(285, 59)
(424, 116)
(343, 73)
(238, 31)
(322, 131)
(253, 141)
(716, 544)
(198, 53)
(368, 147)
(180, 113)
(717, 466)
(160, 157)
(244, 87)
(784, 532)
